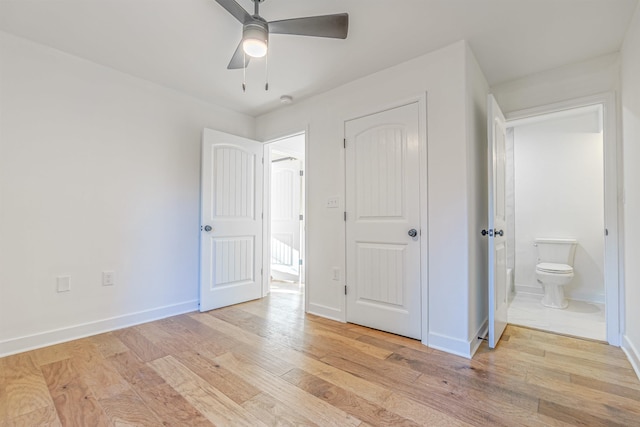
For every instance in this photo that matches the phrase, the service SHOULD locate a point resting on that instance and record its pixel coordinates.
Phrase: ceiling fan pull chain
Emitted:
(244, 72)
(266, 79)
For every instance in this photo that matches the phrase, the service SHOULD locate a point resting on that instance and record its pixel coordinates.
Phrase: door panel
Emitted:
(498, 295)
(285, 220)
(383, 204)
(231, 250)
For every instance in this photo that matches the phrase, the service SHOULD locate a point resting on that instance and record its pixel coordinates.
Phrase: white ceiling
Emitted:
(186, 44)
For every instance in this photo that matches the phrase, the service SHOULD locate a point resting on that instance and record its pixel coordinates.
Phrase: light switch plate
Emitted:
(108, 278)
(63, 283)
(333, 202)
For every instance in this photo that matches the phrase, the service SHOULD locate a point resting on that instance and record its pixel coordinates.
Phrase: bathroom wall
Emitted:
(558, 187)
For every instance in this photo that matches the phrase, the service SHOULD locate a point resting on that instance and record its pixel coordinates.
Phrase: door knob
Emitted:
(208, 228)
(499, 233)
(413, 232)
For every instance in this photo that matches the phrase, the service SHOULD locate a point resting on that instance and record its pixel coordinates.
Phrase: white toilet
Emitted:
(554, 269)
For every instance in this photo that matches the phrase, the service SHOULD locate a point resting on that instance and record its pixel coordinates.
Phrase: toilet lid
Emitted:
(550, 267)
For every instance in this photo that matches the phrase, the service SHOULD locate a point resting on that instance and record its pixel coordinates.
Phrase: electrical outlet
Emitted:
(108, 278)
(63, 283)
(335, 273)
(333, 202)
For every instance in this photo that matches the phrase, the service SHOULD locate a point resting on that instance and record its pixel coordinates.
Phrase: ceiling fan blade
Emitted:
(239, 59)
(334, 26)
(236, 10)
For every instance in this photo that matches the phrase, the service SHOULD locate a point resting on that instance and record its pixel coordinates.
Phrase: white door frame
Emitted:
(424, 212)
(266, 261)
(613, 199)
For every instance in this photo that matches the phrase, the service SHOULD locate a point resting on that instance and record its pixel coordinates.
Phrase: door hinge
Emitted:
(345, 215)
(262, 215)
(344, 142)
(263, 160)
(345, 289)
(262, 271)
(301, 173)
(606, 231)
(301, 217)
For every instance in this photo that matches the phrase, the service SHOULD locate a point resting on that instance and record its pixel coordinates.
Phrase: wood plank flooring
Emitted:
(266, 363)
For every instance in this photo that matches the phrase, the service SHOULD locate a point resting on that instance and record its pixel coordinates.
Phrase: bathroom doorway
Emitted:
(557, 188)
(286, 216)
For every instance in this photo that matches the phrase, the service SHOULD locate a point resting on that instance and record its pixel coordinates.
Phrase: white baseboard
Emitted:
(475, 342)
(56, 336)
(632, 354)
(451, 345)
(328, 312)
(579, 296)
(533, 290)
(576, 296)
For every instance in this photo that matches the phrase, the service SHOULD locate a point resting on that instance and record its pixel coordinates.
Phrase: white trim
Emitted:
(423, 124)
(614, 284)
(575, 296)
(476, 341)
(451, 345)
(327, 312)
(632, 354)
(82, 330)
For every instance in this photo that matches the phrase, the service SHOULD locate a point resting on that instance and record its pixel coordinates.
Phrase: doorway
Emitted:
(559, 180)
(285, 219)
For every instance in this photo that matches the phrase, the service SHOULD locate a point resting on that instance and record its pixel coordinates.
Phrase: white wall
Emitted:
(443, 76)
(591, 77)
(477, 165)
(631, 138)
(98, 171)
(559, 194)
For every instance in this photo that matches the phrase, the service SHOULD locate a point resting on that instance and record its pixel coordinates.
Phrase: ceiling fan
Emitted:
(256, 30)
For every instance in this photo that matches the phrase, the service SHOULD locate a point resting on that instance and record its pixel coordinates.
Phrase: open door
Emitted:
(497, 242)
(231, 220)
(286, 256)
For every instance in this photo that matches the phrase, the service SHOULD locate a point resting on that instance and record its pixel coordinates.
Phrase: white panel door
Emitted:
(497, 242)
(231, 228)
(383, 207)
(285, 220)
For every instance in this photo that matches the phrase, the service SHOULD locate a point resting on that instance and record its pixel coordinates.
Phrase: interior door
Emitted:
(285, 219)
(383, 221)
(497, 242)
(231, 220)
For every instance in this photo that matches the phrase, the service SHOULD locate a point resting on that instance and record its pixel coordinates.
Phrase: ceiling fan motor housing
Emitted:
(258, 30)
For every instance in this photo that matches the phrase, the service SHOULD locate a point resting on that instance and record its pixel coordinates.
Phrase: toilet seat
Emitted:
(549, 267)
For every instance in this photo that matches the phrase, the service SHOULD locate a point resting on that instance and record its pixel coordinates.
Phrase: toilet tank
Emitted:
(557, 251)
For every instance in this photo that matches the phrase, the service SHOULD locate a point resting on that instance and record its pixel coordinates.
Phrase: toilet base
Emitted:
(554, 297)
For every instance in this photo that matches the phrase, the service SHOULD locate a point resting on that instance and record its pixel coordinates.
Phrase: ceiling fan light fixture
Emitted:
(255, 38)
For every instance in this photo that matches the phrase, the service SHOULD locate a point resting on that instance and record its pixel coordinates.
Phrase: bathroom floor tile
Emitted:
(580, 319)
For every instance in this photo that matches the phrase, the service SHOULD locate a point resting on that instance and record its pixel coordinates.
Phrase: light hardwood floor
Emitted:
(266, 363)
